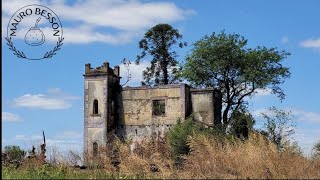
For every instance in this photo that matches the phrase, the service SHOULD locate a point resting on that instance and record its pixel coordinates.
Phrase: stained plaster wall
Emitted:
(138, 122)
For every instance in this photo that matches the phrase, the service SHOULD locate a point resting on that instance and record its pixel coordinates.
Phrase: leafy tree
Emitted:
(159, 42)
(278, 125)
(14, 153)
(241, 123)
(224, 62)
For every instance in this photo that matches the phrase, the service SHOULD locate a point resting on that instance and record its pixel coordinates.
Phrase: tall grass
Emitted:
(254, 158)
(209, 157)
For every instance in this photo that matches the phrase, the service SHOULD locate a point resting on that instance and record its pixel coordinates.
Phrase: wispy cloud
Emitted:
(114, 22)
(298, 114)
(54, 100)
(306, 116)
(263, 92)
(21, 137)
(10, 117)
(64, 142)
(69, 135)
(311, 43)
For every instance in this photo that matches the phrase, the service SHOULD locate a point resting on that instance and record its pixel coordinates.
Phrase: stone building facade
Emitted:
(139, 112)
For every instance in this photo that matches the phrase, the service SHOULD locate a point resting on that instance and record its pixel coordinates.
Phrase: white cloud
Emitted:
(41, 101)
(21, 137)
(263, 92)
(69, 135)
(10, 117)
(258, 94)
(65, 146)
(68, 140)
(311, 43)
(135, 71)
(306, 116)
(54, 91)
(114, 22)
(55, 99)
(298, 114)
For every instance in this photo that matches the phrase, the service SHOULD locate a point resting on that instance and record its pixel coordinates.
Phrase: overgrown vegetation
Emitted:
(205, 155)
(12, 156)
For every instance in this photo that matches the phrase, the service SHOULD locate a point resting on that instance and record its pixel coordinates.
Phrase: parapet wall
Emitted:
(104, 69)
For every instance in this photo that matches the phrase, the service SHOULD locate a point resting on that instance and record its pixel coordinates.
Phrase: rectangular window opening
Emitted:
(158, 107)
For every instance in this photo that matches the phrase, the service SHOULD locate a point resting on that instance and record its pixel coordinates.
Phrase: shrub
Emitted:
(14, 153)
(178, 136)
(241, 123)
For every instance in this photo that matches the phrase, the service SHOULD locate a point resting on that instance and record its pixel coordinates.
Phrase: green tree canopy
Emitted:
(14, 153)
(224, 61)
(159, 42)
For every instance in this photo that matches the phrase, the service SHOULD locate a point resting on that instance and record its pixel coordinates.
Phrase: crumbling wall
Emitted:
(101, 89)
(95, 124)
(203, 106)
(138, 120)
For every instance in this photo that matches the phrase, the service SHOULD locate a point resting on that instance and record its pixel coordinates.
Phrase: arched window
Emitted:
(95, 107)
(95, 149)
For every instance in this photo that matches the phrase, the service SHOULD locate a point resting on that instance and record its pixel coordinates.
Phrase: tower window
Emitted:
(158, 107)
(95, 149)
(95, 107)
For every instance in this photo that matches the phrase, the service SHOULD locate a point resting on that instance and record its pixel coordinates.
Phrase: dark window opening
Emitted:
(95, 107)
(158, 107)
(112, 107)
(136, 131)
(95, 149)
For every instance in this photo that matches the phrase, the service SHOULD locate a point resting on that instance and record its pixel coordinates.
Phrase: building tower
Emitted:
(101, 91)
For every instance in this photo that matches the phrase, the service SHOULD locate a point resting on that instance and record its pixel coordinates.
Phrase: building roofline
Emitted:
(204, 90)
(155, 87)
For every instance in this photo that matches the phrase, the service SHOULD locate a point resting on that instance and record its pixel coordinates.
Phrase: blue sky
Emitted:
(48, 94)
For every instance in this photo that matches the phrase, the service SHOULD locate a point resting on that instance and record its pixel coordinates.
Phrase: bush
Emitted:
(13, 153)
(241, 123)
(178, 136)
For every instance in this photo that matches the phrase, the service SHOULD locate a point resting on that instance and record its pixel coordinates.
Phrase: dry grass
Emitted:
(212, 158)
(254, 158)
(209, 158)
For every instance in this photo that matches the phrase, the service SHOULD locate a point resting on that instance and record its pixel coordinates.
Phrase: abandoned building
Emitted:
(139, 112)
